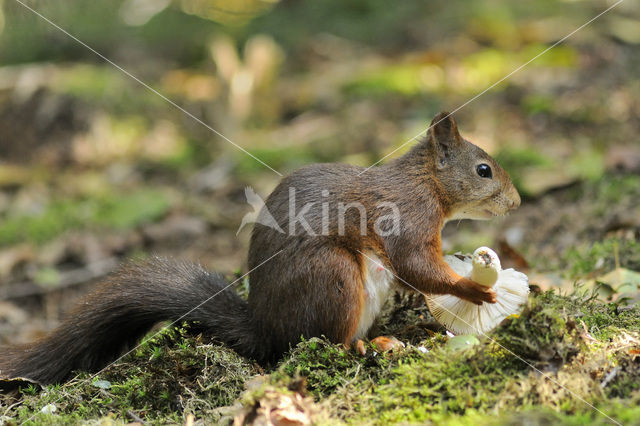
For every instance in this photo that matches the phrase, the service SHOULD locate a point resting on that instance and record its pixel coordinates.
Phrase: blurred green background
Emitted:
(95, 167)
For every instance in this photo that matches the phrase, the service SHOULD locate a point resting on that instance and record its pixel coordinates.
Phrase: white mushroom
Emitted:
(462, 317)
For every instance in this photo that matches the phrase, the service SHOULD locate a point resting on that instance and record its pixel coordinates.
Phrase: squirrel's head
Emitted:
(470, 181)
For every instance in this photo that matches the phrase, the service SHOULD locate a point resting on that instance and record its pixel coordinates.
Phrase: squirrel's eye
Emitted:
(484, 170)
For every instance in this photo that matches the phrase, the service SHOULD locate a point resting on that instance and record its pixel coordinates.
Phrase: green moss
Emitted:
(327, 367)
(539, 416)
(486, 66)
(169, 375)
(444, 382)
(502, 373)
(539, 367)
(605, 321)
(545, 331)
(477, 71)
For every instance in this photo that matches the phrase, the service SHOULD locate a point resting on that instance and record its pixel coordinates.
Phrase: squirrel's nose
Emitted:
(514, 200)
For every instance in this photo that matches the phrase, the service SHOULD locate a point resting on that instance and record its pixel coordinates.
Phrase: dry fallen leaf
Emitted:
(621, 276)
(619, 283)
(510, 257)
(277, 408)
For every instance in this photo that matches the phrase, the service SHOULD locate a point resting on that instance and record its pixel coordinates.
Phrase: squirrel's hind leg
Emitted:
(320, 293)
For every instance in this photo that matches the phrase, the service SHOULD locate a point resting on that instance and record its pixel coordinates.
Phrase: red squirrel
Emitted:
(325, 271)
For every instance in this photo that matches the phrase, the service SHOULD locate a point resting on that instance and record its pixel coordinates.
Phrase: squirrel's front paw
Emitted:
(474, 292)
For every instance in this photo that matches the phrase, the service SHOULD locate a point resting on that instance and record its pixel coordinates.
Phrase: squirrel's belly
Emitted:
(377, 285)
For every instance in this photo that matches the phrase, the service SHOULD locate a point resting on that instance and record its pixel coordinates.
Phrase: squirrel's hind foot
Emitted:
(381, 343)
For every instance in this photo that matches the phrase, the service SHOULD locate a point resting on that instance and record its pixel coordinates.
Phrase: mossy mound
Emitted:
(567, 359)
(544, 363)
(170, 374)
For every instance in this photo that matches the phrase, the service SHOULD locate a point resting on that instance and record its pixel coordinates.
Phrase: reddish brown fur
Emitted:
(313, 285)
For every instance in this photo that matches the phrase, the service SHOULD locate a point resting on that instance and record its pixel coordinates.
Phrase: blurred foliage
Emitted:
(84, 147)
(416, 57)
(107, 88)
(296, 82)
(600, 256)
(116, 210)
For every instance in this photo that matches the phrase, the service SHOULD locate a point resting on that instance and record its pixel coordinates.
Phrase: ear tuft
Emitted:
(444, 137)
(444, 128)
(440, 117)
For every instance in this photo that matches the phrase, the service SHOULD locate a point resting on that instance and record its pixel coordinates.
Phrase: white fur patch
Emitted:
(461, 214)
(377, 285)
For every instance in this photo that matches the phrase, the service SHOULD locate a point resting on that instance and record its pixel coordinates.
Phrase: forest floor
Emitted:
(95, 169)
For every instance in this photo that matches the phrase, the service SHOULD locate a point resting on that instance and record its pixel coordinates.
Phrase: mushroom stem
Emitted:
(486, 266)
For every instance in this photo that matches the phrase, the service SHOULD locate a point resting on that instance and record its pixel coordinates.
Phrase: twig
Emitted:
(11, 406)
(609, 377)
(135, 417)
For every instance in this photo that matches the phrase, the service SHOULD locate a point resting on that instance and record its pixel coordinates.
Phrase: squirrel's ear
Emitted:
(444, 135)
(444, 128)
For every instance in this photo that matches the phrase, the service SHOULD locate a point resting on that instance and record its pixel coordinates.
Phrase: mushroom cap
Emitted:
(462, 317)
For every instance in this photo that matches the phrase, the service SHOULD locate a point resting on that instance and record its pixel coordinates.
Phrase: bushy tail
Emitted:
(123, 309)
